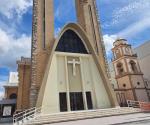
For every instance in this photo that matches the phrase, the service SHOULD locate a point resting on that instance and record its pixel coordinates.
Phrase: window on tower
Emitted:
(120, 68)
(133, 66)
(13, 96)
(117, 53)
(138, 83)
(124, 85)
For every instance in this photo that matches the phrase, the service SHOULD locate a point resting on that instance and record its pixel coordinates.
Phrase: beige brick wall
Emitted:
(24, 87)
(88, 19)
(43, 38)
(9, 91)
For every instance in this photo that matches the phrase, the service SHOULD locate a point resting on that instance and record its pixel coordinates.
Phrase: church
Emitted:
(69, 72)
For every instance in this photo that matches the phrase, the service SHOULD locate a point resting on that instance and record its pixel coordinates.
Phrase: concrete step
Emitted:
(79, 115)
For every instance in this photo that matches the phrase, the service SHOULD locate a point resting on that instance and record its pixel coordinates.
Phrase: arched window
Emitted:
(117, 52)
(124, 85)
(133, 66)
(120, 68)
(138, 83)
(70, 42)
(13, 96)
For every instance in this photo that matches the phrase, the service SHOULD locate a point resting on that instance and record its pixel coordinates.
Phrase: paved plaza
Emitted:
(146, 122)
(132, 119)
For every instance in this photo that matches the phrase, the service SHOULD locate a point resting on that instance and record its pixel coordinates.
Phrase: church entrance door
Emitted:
(89, 100)
(63, 102)
(76, 101)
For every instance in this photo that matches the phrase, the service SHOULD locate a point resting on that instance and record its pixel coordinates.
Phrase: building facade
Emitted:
(128, 74)
(24, 73)
(144, 60)
(11, 87)
(8, 103)
(66, 73)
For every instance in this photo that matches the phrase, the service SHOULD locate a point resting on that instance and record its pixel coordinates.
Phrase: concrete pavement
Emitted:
(131, 119)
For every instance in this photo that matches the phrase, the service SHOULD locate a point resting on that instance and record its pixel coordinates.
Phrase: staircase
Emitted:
(40, 119)
(34, 115)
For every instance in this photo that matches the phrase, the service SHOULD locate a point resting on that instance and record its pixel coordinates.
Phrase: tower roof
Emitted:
(24, 61)
(119, 41)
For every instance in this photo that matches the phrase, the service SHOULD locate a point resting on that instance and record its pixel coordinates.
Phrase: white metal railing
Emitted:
(134, 104)
(34, 114)
(23, 117)
(27, 115)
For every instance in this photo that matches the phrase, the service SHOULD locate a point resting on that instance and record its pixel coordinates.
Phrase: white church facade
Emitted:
(74, 80)
(67, 72)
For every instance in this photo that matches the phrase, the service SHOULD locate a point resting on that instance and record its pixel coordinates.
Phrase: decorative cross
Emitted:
(74, 63)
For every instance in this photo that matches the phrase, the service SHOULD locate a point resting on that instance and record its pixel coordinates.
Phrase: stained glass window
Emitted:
(70, 42)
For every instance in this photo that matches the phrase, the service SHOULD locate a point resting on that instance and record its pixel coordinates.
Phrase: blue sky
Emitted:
(129, 19)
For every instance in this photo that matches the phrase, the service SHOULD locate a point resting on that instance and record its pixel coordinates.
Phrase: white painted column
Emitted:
(83, 85)
(93, 86)
(67, 86)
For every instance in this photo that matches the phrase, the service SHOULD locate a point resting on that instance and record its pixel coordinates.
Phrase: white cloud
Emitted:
(13, 43)
(1, 90)
(135, 28)
(57, 31)
(1, 95)
(135, 9)
(9, 8)
(131, 18)
(109, 40)
(12, 48)
(65, 10)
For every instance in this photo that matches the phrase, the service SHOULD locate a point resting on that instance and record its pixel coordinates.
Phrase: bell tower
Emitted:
(42, 41)
(128, 74)
(88, 19)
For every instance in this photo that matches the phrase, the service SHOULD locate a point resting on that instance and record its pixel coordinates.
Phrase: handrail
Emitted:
(134, 104)
(33, 113)
(23, 116)
(23, 111)
(144, 106)
(29, 114)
